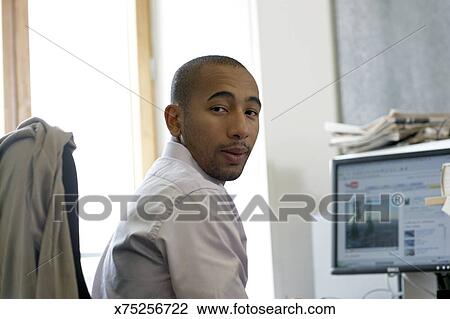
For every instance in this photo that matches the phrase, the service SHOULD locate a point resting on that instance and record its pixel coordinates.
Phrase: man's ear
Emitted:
(172, 114)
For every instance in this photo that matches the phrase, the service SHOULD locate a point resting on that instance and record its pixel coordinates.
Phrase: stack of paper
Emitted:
(396, 127)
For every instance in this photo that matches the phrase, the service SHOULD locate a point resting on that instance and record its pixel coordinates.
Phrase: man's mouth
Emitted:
(235, 155)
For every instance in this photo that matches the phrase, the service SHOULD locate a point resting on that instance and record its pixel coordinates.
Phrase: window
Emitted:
(81, 74)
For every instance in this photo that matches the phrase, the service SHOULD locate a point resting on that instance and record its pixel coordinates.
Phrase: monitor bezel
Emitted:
(365, 158)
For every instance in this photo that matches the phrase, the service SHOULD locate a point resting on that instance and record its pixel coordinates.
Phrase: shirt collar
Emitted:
(176, 150)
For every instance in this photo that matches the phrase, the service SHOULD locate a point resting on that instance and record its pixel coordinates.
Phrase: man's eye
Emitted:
(251, 113)
(219, 109)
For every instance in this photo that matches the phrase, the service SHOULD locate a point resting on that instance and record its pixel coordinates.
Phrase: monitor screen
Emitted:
(386, 226)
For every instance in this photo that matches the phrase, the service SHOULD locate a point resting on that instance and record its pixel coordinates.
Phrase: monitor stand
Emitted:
(400, 285)
(443, 284)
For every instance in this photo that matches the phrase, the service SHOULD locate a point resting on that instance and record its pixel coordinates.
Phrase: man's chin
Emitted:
(231, 177)
(228, 175)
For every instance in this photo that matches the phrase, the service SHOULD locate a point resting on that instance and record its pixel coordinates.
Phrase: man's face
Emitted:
(221, 122)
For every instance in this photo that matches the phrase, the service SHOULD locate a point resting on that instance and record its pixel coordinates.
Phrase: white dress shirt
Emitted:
(165, 258)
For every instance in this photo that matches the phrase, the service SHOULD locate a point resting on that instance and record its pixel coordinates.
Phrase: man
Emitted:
(185, 248)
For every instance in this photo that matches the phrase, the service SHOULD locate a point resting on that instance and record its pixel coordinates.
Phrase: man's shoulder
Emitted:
(176, 177)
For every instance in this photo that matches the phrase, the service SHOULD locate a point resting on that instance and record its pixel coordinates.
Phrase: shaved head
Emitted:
(186, 77)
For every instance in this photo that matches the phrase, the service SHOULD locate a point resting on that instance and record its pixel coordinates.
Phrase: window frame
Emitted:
(16, 74)
(16, 63)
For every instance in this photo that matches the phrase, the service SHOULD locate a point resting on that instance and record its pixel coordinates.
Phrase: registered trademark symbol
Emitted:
(397, 199)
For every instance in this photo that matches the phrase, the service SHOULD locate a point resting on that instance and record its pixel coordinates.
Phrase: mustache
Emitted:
(244, 145)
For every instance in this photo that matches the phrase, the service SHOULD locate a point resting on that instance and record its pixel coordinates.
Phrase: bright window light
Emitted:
(78, 53)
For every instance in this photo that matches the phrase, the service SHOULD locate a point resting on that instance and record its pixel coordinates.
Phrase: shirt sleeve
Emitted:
(206, 258)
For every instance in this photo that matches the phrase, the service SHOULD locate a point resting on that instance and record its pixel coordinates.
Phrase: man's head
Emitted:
(215, 114)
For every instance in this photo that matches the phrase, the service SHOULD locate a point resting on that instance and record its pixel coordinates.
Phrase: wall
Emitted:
(410, 41)
(298, 64)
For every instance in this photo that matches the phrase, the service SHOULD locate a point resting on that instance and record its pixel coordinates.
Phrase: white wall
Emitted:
(297, 59)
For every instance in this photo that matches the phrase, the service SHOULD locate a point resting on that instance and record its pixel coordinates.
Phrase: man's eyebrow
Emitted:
(227, 94)
(221, 94)
(255, 99)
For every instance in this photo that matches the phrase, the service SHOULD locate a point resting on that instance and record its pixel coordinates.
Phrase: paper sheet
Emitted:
(445, 180)
(445, 187)
(446, 207)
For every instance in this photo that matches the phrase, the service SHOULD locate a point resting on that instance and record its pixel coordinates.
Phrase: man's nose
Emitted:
(238, 126)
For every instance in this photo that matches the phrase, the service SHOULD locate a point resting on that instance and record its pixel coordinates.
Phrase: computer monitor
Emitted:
(414, 237)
